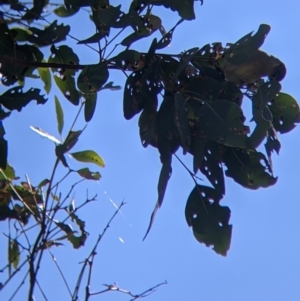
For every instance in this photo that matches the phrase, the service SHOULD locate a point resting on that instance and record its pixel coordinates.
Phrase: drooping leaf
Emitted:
(248, 168)
(285, 111)
(88, 156)
(95, 38)
(92, 78)
(44, 134)
(49, 35)
(64, 79)
(16, 99)
(3, 148)
(209, 220)
(90, 106)
(13, 253)
(133, 102)
(45, 76)
(182, 122)
(89, 175)
(59, 115)
(167, 38)
(69, 142)
(165, 174)
(261, 112)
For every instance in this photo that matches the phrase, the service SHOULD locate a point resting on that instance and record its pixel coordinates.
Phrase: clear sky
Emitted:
(263, 262)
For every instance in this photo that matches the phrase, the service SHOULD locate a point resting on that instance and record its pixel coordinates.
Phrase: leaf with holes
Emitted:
(244, 48)
(150, 23)
(165, 174)
(129, 60)
(167, 37)
(248, 168)
(88, 156)
(89, 175)
(285, 111)
(92, 78)
(64, 79)
(49, 35)
(89, 106)
(16, 99)
(261, 112)
(222, 121)
(209, 220)
(133, 102)
(211, 166)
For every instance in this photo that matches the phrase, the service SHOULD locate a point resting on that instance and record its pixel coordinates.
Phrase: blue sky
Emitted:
(263, 262)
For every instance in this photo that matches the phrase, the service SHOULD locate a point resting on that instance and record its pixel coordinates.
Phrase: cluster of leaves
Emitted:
(200, 112)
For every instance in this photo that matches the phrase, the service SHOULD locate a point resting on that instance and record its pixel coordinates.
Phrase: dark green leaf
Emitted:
(13, 253)
(62, 11)
(165, 174)
(167, 38)
(248, 168)
(88, 156)
(89, 175)
(244, 48)
(110, 86)
(181, 121)
(64, 79)
(285, 111)
(16, 99)
(89, 106)
(92, 78)
(50, 35)
(45, 76)
(59, 115)
(209, 220)
(95, 38)
(35, 12)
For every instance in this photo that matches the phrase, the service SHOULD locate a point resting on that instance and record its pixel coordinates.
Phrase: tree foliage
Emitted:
(184, 101)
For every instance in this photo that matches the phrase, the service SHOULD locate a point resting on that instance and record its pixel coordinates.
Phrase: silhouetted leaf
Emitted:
(3, 148)
(167, 38)
(165, 174)
(95, 38)
(244, 48)
(59, 115)
(209, 220)
(248, 168)
(89, 175)
(133, 102)
(16, 99)
(49, 35)
(261, 113)
(35, 12)
(89, 106)
(92, 78)
(285, 111)
(88, 156)
(110, 86)
(181, 121)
